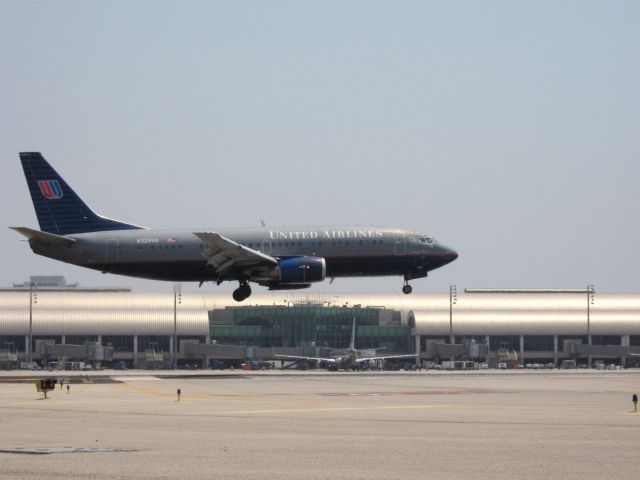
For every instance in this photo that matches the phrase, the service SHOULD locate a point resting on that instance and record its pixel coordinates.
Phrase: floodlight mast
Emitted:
(32, 299)
(177, 300)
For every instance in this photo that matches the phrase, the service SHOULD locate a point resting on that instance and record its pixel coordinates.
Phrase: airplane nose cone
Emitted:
(448, 255)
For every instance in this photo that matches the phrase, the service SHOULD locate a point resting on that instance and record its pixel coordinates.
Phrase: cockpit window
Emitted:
(427, 240)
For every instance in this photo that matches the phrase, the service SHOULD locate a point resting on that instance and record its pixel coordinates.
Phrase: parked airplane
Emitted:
(279, 258)
(348, 359)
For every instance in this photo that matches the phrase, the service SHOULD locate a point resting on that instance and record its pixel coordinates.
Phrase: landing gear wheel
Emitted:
(242, 292)
(237, 295)
(407, 288)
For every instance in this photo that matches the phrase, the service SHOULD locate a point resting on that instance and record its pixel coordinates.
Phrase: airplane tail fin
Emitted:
(352, 345)
(59, 209)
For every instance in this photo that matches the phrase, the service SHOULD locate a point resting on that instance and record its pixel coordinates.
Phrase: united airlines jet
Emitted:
(277, 258)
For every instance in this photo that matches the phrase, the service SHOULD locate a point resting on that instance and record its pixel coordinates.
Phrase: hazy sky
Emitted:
(509, 131)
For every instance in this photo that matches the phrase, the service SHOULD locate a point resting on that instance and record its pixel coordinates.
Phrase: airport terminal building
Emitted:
(45, 321)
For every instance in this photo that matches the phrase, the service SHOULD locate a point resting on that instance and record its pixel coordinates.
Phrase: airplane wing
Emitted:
(315, 359)
(224, 253)
(385, 357)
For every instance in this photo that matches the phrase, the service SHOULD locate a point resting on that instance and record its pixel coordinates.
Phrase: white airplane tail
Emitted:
(352, 345)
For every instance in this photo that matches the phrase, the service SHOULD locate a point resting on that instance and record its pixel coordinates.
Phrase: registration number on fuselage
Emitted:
(147, 240)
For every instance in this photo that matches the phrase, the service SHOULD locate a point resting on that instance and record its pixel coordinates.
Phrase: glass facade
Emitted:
(159, 343)
(80, 339)
(120, 343)
(504, 342)
(461, 339)
(392, 339)
(13, 343)
(572, 338)
(606, 340)
(538, 343)
(305, 325)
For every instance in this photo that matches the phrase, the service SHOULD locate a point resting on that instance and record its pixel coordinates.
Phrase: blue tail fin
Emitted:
(58, 208)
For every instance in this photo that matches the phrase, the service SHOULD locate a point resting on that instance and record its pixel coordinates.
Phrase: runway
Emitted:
(527, 425)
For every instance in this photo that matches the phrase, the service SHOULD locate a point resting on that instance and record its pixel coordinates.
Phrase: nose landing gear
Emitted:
(242, 292)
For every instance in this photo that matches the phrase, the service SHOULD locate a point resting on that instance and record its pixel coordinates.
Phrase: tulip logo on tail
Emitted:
(50, 189)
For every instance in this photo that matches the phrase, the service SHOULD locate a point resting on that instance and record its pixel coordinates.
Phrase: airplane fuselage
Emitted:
(346, 361)
(178, 255)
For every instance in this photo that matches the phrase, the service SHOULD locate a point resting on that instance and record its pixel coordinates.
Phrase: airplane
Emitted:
(348, 359)
(282, 258)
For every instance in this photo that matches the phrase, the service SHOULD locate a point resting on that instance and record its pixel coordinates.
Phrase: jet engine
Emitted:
(301, 270)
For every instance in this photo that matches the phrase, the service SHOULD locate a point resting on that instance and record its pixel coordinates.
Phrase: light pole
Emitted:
(33, 299)
(177, 300)
(453, 299)
(590, 300)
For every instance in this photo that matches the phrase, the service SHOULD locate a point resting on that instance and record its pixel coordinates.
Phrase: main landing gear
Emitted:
(407, 289)
(242, 292)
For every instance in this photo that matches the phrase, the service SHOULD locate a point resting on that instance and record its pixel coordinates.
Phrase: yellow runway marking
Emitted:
(236, 398)
(66, 402)
(147, 390)
(327, 404)
(332, 409)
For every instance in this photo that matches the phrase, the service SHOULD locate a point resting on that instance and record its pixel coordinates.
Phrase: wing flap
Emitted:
(223, 253)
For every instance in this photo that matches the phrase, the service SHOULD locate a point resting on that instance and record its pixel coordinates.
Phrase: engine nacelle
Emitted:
(300, 270)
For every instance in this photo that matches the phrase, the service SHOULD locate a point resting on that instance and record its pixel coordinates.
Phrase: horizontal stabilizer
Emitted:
(44, 237)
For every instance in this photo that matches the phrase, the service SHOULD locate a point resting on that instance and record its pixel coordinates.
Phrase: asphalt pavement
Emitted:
(257, 425)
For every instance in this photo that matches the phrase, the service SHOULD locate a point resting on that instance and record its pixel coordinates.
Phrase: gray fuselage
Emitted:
(178, 255)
